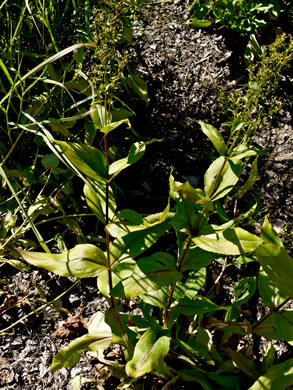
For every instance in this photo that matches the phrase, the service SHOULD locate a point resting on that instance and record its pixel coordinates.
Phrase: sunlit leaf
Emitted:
(269, 292)
(195, 195)
(269, 235)
(190, 287)
(234, 241)
(87, 159)
(215, 136)
(278, 377)
(149, 354)
(243, 363)
(96, 200)
(221, 177)
(277, 263)
(83, 261)
(149, 274)
(99, 337)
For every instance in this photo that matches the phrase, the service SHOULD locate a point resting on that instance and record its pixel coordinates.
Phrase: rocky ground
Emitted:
(182, 67)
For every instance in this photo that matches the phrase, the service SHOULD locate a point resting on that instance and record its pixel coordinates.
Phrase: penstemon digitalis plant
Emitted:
(180, 333)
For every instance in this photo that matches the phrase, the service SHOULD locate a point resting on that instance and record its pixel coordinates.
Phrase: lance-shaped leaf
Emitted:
(243, 363)
(235, 241)
(87, 159)
(149, 274)
(278, 377)
(135, 243)
(269, 235)
(196, 258)
(190, 287)
(96, 199)
(113, 125)
(136, 151)
(149, 354)
(121, 334)
(221, 177)
(99, 337)
(137, 85)
(100, 116)
(215, 136)
(242, 151)
(83, 261)
(277, 326)
(195, 195)
(277, 263)
(189, 307)
(157, 298)
(269, 292)
(283, 324)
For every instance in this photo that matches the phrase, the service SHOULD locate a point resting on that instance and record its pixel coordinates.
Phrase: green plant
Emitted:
(189, 335)
(184, 330)
(241, 16)
(255, 102)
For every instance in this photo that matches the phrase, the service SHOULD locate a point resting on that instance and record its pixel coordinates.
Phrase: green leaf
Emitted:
(221, 177)
(269, 292)
(121, 334)
(87, 159)
(100, 116)
(113, 125)
(150, 273)
(96, 200)
(201, 23)
(70, 355)
(158, 298)
(189, 307)
(243, 363)
(190, 287)
(234, 241)
(187, 216)
(204, 345)
(244, 290)
(243, 150)
(215, 136)
(195, 195)
(195, 259)
(59, 128)
(50, 161)
(130, 216)
(135, 243)
(283, 323)
(277, 263)
(277, 326)
(269, 358)
(253, 176)
(137, 85)
(269, 235)
(83, 261)
(99, 337)
(42, 205)
(278, 377)
(136, 151)
(149, 354)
